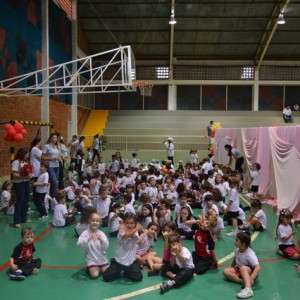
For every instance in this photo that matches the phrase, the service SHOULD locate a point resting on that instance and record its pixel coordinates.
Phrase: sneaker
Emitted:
(244, 226)
(43, 217)
(245, 293)
(164, 287)
(17, 276)
(17, 225)
(35, 271)
(153, 273)
(28, 221)
(232, 233)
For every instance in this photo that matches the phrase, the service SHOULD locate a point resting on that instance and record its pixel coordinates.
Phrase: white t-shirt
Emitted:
(282, 231)
(178, 208)
(81, 227)
(16, 166)
(255, 178)
(235, 199)
(58, 215)
(169, 149)
(207, 167)
(102, 206)
(188, 264)
(260, 215)
(35, 160)
(205, 208)
(242, 215)
(247, 258)
(115, 224)
(128, 208)
(5, 198)
(144, 245)
(101, 168)
(95, 254)
(220, 225)
(43, 177)
(126, 249)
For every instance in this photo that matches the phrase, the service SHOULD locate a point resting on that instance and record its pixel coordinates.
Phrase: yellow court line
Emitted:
(245, 200)
(156, 286)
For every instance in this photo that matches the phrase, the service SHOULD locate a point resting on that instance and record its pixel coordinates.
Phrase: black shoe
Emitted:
(153, 273)
(164, 287)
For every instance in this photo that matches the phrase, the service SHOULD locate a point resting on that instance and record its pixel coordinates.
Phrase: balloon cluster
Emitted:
(14, 133)
(214, 127)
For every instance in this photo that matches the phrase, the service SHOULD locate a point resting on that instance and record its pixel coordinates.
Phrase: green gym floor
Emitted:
(63, 275)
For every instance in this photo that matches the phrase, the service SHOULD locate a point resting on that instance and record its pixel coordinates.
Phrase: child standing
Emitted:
(94, 242)
(233, 206)
(5, 195)
(245, 266)
(254, 171)
(257, 218)
(181, 267)
(125, 257)
(41, 185)
(22, 263)
(285, 236)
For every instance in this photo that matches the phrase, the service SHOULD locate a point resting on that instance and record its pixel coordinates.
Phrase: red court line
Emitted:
(7, 264)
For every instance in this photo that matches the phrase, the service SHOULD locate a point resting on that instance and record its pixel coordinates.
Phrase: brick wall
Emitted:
(28, 109)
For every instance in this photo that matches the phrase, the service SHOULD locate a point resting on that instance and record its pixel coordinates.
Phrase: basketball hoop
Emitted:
(145, 87)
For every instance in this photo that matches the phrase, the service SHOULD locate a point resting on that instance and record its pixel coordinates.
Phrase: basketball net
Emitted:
(145, 87)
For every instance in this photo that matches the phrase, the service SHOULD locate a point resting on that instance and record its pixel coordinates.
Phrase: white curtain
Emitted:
(256, 145)
(285, 149)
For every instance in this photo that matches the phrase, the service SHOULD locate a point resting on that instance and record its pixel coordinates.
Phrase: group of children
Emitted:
(165, 195)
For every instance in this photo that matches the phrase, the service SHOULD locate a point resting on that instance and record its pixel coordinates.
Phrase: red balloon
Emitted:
(18, 138)
(8, 138)
(24, 132)
(8, 126)
(18, 126)
(12, 132)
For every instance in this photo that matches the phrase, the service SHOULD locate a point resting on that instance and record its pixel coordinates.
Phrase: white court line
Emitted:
(156, 286)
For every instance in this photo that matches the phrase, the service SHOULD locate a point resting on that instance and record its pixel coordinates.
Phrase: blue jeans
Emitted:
(53, 178)
(22, 197)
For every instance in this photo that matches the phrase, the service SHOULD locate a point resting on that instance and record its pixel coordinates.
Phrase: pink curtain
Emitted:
(285, 149)
(231, 136)
(256, 145)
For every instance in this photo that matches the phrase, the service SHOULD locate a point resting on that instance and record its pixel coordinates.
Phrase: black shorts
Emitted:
(232, 214)
(254, 188)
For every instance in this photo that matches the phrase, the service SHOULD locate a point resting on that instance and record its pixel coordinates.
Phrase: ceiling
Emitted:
(214, 30)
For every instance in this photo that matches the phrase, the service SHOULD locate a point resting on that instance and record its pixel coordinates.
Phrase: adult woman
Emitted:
(35, 160)
(52, 154)
(35, 157)
(237, 154)
(96, 147)
(21, 174)
(169, 149)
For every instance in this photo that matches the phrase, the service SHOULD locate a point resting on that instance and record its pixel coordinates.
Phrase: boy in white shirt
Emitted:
(181, 267)
(128, 208)
(61, 216)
